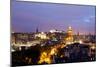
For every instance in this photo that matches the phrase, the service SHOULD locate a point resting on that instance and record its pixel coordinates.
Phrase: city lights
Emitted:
(80, 41)
(57, 34)
(93, 47)
(51, 48)
(44, 58)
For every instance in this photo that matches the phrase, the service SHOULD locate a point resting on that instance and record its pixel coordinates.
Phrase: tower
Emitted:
(37, 30)
(69, 37)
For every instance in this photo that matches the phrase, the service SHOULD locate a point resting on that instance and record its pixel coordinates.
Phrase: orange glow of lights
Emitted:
(53, 51)
(80, 42)
(93, 47)
(44, 58)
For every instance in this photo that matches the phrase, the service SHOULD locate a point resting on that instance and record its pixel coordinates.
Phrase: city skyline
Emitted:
(27, 16)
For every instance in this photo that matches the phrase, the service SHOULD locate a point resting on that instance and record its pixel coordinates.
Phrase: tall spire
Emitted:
(37, 30)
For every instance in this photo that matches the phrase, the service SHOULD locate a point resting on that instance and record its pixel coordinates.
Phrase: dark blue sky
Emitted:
(27, 16)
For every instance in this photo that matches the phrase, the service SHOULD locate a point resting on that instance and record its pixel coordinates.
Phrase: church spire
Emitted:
(37, 30)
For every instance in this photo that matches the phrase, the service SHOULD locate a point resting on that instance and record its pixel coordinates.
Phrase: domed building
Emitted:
(69, 37)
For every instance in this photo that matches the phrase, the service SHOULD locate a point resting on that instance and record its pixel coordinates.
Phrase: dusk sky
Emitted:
(27, 16)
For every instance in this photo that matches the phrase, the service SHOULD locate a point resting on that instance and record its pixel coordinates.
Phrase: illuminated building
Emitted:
(69, 37)
(55, 31)
(41, 35)
(13, 39)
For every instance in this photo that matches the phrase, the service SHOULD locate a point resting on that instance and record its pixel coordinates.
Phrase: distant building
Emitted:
(55, 31)
(37, 30)
(69, 37)
(41, 35)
